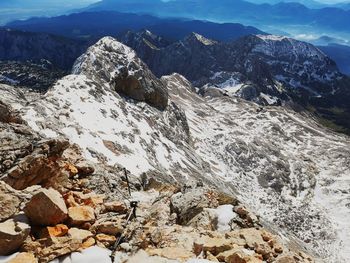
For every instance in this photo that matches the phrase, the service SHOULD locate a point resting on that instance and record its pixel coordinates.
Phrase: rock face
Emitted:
(13, 232)
(46, 208)
(247, 135)
(118, 65)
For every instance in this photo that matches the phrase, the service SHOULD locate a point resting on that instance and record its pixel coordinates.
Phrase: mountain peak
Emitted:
(271, 37)
(104, 59)
(113, 64)
(199, 38)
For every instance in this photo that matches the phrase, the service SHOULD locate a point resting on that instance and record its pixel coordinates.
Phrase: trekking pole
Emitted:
(127, 181)
(133, 205)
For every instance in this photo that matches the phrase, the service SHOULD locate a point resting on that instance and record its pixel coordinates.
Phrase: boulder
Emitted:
(13, 233)
(84, 168)
(246, 218)
(88, 243)
(206, 220)
(79, 215)
(238, 255)
(188, 205)
(109, 227)
(54, 231)
(46, 208)
(9, 206)
(80, 234)
(252, 237)
(241, 257)
(214, 245)
(115, 206)
(106, 240)
(285, 259)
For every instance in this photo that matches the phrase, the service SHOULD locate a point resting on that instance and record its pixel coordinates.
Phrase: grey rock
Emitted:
(189, 204)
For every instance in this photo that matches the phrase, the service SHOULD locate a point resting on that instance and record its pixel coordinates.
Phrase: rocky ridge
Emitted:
(274, 160)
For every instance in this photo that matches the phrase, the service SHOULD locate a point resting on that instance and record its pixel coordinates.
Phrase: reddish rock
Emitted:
(54, 231)
(46, 208)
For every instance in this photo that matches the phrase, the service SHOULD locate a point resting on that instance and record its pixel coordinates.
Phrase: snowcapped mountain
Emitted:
(263, 59)
(266, 69)
(284, 165)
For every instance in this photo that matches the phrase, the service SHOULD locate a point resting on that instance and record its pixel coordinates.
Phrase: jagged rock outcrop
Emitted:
(117, 65)
(40, 167)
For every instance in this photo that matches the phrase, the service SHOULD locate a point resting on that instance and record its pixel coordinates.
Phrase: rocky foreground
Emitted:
(55, 203)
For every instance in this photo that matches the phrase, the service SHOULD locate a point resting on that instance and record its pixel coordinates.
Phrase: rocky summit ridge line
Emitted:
(112, 112)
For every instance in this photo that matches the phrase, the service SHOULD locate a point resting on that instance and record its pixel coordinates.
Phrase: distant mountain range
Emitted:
(93, 25)
(23, 9)
(22, 46)
(293, 18)
(89, 26)
(307, 3)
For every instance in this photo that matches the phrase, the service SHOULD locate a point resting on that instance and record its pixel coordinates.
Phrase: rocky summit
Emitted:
(118, 164)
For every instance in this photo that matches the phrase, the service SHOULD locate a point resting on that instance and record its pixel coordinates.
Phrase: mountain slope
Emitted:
(286, 166)
(340, 53)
